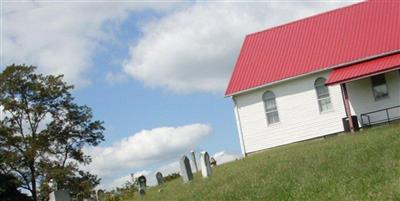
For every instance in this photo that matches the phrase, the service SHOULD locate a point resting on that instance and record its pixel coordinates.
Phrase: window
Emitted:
(324, 100)
(379, 87)
(271, 110)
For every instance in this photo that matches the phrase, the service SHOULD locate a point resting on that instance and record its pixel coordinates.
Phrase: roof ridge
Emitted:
(306, 18)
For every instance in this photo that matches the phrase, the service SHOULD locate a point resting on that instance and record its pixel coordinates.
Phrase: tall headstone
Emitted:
(59, 195)
(160, 178)
(100, 195)
(205, 164)
(56, 194)
(142, 185)
(194, 162)
(186, 170)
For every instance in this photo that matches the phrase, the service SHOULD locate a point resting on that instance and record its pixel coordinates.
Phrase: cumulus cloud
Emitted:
(195, 49)
(170, 168)
(62, 37)
(58, 38)
(192, 48)
(146, 147)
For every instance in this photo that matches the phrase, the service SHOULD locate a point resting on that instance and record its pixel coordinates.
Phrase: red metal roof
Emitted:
(363, 69)
(316, 43)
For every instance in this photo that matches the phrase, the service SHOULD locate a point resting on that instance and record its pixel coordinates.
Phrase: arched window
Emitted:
(271, 110)
(324, 100)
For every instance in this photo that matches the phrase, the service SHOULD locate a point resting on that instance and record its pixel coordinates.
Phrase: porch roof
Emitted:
(364, 69)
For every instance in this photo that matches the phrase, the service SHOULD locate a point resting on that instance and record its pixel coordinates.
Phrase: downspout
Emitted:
(345, 96)
(398, 83)
(239, 127)
(398, 73)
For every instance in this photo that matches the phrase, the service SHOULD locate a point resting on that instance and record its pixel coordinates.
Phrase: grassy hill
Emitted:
(361, 166)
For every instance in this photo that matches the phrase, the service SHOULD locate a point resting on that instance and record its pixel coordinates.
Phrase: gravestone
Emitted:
(100, 195)
(205, 164)
(186, 170)
(52, 185)
(213, 162)
(142, 185)
(59, 195)
(194, 162)
(160, 178)
(56, 194)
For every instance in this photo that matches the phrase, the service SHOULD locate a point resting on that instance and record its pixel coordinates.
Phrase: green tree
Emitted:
(43, 132)
(9, 189)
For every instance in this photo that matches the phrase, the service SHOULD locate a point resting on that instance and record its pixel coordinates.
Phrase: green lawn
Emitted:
(361, 166)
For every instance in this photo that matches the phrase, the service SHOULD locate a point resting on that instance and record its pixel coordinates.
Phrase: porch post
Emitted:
(347, 105)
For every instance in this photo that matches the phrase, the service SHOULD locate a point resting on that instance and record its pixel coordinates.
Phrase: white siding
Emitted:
(362, 98)
(239, 128)
(299, 114)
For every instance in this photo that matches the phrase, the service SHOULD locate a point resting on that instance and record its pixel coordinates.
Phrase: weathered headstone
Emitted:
(160, 178)
(52, 185)
(194, 162)
(100, 195)
(205, 164)
(186, 170)
(56, 194)
(213, 162)
(59, 195)
(142, 185)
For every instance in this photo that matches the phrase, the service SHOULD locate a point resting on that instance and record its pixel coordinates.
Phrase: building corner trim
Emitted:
(239, 127)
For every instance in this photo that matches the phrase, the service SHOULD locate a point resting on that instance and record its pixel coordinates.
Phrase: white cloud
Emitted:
(170, 168)
(192, 48)
(195, 49)
(62, 37)
(224, 157)
(58, 38)
(145, 148)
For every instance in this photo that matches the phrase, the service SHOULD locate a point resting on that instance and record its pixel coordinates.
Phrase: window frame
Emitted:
(319, 98)
(274, 110)
(376, 98)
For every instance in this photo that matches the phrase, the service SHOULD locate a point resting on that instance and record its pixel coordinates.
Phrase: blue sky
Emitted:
(126, 102)
(154, 72)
